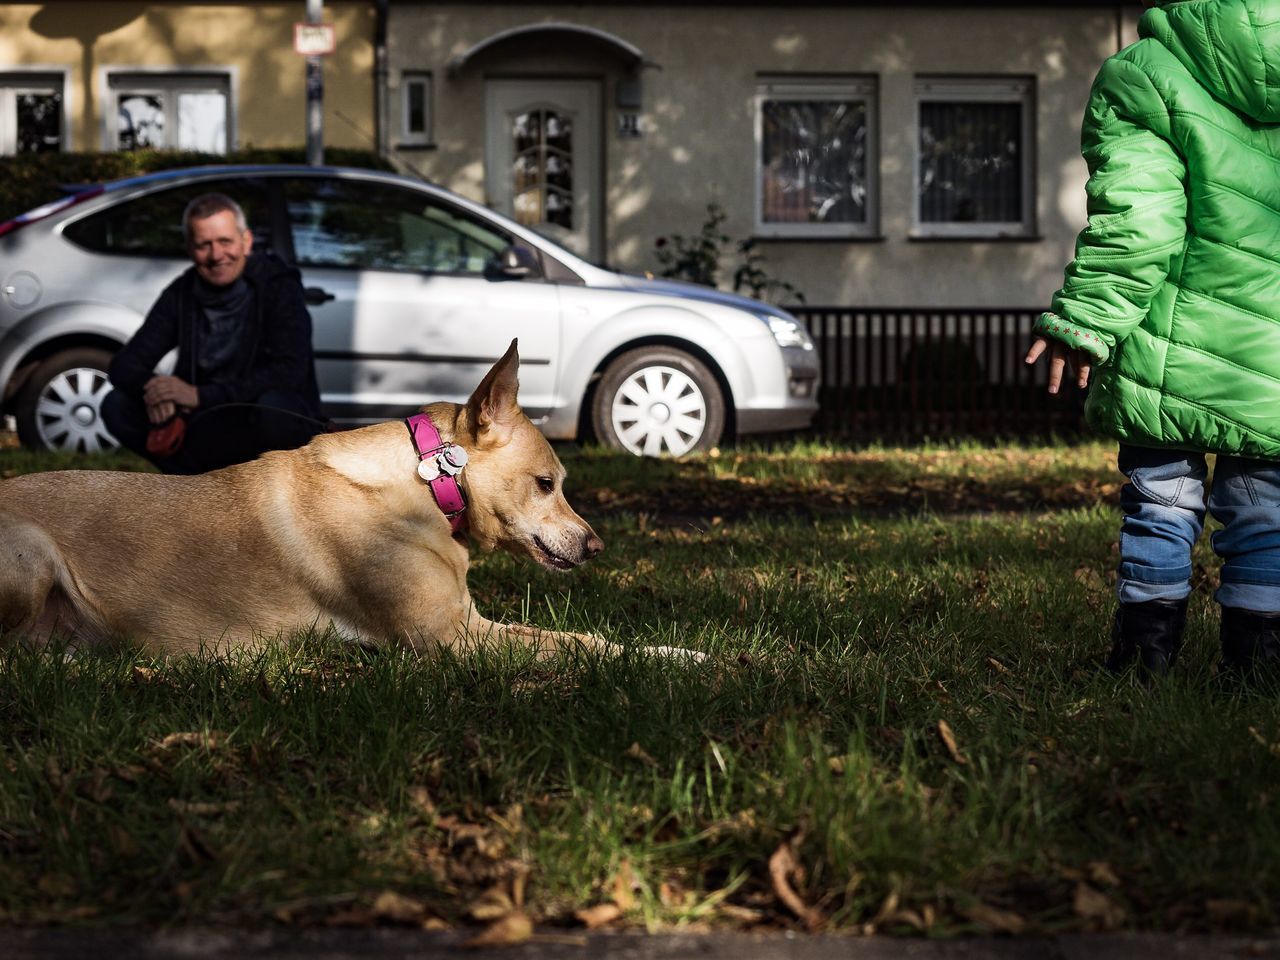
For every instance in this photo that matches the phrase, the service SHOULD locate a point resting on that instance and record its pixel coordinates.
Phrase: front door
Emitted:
(542, 156)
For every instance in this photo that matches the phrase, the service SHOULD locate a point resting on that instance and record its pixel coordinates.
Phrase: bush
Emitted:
(28, 180)
(697, 259)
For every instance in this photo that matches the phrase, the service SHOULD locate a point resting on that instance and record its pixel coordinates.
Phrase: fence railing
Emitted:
(909, 373)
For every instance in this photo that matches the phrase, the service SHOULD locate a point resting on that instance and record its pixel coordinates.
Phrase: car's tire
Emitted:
(658, 401)
(59, 406)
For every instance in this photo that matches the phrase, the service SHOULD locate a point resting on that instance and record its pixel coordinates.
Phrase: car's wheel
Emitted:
(656, 401)
(60, 405)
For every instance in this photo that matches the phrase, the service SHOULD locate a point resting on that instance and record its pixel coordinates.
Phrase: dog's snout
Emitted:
(593, 546)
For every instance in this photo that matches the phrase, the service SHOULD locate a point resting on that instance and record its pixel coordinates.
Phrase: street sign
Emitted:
(314, 39)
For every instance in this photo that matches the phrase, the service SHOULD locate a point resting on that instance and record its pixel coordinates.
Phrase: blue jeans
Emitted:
(1164, 508)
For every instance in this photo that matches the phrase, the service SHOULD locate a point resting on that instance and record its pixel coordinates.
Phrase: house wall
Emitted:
(255, 40)
(698, 125)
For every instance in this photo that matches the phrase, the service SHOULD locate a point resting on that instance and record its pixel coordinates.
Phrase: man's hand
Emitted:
(1059, 356)
(164, 396)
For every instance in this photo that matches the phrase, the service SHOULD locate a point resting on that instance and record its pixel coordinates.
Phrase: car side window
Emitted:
(151, 225)
(372, 226)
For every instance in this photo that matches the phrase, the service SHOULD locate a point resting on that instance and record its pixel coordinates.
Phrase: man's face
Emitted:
(219, 248)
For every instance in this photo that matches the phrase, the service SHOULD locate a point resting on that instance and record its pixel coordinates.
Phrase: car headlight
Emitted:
(789, 332)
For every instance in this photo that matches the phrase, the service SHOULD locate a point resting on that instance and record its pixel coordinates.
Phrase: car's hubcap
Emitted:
(69, 412)
(659, 410)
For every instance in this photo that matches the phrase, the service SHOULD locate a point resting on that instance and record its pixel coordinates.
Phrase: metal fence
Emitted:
(897, 373)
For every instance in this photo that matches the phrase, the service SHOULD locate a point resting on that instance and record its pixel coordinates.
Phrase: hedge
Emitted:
(28, 180)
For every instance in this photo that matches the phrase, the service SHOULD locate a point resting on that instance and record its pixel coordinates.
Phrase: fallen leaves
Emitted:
(948, 739)
(784, 869)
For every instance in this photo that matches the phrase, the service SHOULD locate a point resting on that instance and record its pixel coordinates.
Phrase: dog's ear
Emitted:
(493, 408)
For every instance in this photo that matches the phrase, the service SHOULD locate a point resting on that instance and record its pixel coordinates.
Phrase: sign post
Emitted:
(314, 39)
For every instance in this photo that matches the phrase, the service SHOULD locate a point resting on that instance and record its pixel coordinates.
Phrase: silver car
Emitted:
(414, 292)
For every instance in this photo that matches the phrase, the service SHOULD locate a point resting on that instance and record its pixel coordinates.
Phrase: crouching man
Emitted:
(244, 381)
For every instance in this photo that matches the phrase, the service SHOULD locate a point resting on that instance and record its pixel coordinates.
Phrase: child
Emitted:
(1173, 304)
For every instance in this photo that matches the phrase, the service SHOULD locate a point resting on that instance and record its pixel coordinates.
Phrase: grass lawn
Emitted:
(901, 730)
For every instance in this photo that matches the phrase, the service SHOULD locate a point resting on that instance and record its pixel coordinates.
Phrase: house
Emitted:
(880, 153)
(884, 153)
(90, 75)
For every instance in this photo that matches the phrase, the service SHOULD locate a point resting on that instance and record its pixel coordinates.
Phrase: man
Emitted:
(244, 381)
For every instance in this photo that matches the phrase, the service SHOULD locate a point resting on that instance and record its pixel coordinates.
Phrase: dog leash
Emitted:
(439, 464)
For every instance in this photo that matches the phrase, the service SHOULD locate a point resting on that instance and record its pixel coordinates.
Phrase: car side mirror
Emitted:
(518, 262)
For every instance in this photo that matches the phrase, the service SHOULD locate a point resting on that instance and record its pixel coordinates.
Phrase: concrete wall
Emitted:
(255, 40)
(698, 143)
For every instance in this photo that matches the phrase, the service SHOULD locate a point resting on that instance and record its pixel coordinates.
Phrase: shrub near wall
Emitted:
(28, 180)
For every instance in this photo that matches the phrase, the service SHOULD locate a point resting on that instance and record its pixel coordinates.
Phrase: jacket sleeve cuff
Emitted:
(1073, 335)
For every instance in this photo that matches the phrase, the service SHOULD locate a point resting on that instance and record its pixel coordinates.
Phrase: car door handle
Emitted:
(317, 295)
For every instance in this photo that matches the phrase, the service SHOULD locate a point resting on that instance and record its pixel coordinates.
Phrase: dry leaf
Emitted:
(887, 908)
(599, 915)
(191, 738)
(512, 929)
(1100, 872)
(637, 752)
(197, 808)
(623, 883)
(1229, 911)
(740, 913)
(993, 918)
(949, 741)
(782, 864)
(1095, 905)
(492, 904)
(421, 800)
(398, 908)
(996, 665)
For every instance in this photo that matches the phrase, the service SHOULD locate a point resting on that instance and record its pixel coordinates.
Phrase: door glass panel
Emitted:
(542, 171)
(152, 225)
(39, 122)
(371, 226)
(202, 122)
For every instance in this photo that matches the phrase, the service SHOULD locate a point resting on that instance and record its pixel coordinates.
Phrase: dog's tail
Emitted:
(39, 598)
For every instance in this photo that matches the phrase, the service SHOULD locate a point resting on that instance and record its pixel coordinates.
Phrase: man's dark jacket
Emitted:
(274, 352)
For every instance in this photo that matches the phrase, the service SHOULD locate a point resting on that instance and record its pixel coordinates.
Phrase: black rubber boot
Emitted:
(1250, 644)
(1149, 634)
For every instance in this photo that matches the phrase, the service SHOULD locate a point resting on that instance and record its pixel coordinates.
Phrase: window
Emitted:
(974, 168)
(176, 111)
(370, 226)
(815, 161)
(415, 108)
(31, 113)
(152, 225)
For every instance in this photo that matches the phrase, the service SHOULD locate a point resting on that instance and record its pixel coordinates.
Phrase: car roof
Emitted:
(249, 169)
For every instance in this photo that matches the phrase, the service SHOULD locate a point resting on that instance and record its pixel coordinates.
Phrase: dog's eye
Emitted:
(546, 484)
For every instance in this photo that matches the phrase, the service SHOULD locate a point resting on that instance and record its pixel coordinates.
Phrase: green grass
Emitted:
(851, 602)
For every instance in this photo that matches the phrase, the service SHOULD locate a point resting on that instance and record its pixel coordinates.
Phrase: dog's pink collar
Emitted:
(439, 464)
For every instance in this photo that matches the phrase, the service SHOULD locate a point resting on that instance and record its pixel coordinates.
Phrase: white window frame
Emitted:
(423, 79)
(809, 89)
(114, 79)
(31, 79)
(985, 89)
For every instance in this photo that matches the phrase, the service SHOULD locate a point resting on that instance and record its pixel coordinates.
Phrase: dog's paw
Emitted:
(677, 653)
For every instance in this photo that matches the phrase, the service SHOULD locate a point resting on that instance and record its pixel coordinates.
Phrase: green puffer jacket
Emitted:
(1175, 285)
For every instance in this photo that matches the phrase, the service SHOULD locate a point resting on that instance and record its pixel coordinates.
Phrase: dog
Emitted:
(349, 532)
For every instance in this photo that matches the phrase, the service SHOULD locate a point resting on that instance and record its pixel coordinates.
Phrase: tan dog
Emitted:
(341, 532)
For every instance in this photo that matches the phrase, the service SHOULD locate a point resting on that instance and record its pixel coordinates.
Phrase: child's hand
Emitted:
(1059, 356)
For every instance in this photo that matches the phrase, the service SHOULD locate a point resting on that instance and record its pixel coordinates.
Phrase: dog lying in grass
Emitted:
(352, 531)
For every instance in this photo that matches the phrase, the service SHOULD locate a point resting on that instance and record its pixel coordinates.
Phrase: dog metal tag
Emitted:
(452, 459)
(448, 462)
